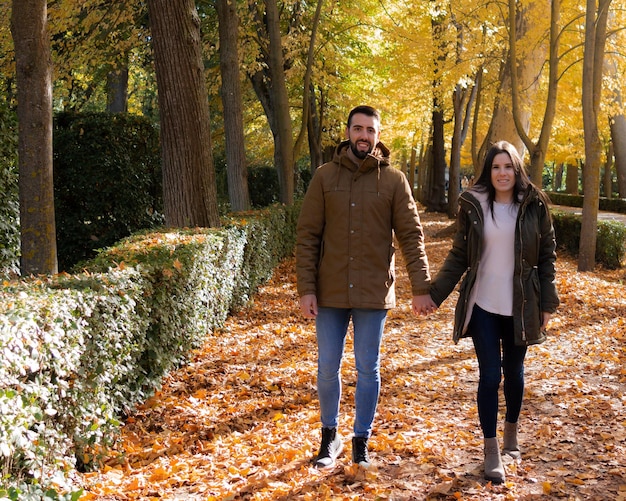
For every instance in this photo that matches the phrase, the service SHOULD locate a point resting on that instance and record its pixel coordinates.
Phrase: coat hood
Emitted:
(378, 158)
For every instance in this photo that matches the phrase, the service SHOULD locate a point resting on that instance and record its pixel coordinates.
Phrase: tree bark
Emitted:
(571, 179)
(537, 150)
(283, 132)
(117, 89)
(607, 179)
(306, 101)
(314, 128)
(236, 164)
(435, 199)
(511, 116)
(189, 189)
(595, 39)
(618, 137)
(34, 110)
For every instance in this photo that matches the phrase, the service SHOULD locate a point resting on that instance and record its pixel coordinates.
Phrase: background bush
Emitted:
(610, 243)
(107, 181)
(9, 201)
(606, 204)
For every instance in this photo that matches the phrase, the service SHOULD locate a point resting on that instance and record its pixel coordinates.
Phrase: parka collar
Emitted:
(378, 158)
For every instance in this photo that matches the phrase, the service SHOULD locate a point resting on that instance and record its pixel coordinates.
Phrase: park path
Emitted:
(240, 421)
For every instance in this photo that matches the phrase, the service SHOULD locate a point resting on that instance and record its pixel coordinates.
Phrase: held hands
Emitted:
(308, 305)
(423, 305)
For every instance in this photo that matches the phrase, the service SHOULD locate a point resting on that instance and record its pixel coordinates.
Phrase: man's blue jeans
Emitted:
(332, 327)
(488, 330)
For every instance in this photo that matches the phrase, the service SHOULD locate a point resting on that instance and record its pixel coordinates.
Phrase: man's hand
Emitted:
(423, 305)
(308, 305)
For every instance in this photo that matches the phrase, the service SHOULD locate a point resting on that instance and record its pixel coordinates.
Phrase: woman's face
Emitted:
(503, 177)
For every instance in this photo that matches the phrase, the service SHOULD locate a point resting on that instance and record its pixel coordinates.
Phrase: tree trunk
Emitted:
(558, 177)
(435, 182)
(511, 116)
(618, 136)
(595, 39)
(306, 101)
(117, 91)
(283, 132)
(412, 164)
(269, 84)
(607, 180)
(34, 111)
(537, 151)
(314, 129)
(236, 164)
(189, 189)
(463, 100)
(571, 179)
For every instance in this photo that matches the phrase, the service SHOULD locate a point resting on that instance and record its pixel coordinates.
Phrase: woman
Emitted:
(505, 247)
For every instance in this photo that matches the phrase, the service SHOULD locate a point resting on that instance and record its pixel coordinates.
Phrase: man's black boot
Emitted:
(360, 455)
(329, 450)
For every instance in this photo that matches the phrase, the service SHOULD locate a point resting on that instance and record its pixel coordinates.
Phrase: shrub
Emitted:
(605, 204)
(107, 181)
(9, 202)
(610, 243)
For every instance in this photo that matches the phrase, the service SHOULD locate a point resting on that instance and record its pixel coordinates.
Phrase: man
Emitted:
(345, 270)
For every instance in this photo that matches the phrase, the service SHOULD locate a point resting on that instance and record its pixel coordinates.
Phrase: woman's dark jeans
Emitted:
(497, 354)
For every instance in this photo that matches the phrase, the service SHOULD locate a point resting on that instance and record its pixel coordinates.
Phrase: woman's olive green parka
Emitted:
(534, 288)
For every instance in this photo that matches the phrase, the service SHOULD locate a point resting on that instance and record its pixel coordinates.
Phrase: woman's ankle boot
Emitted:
(494, 470)
(510, 445)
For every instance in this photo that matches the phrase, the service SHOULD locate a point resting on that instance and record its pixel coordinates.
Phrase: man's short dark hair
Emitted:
(365, 110)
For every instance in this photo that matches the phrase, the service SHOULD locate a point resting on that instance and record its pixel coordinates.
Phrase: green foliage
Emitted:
(606, 204)
(107, 181)
(263, 185)
(9, 202)
(610, 243)
(79, 350)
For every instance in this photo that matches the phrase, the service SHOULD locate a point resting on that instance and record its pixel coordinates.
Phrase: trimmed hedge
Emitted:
(606, 204)
(107, 181)
(610, 243)
(9, 201)
(80, 350)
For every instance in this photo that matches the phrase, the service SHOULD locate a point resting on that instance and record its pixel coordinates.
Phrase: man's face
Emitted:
(363, 134)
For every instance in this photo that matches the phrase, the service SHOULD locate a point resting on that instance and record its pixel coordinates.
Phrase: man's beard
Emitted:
(360, 153)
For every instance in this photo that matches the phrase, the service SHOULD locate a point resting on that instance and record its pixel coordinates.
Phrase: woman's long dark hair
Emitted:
(522, 181)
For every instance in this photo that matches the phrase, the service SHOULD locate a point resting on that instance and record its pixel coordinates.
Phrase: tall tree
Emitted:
(618, 126)
(236, 164)
(117, 90)
(270, 86)
(595, 40)
(189, 189)
(435, 187)
(518, 73)
(34, 110)
(537, 150)
(308, 105)
(618, 136)
(463, 99)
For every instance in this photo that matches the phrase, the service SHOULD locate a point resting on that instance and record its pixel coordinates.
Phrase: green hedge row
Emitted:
(606, 204)
(9, 201)
(610, 242)
(107, 181)
(79, 350)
